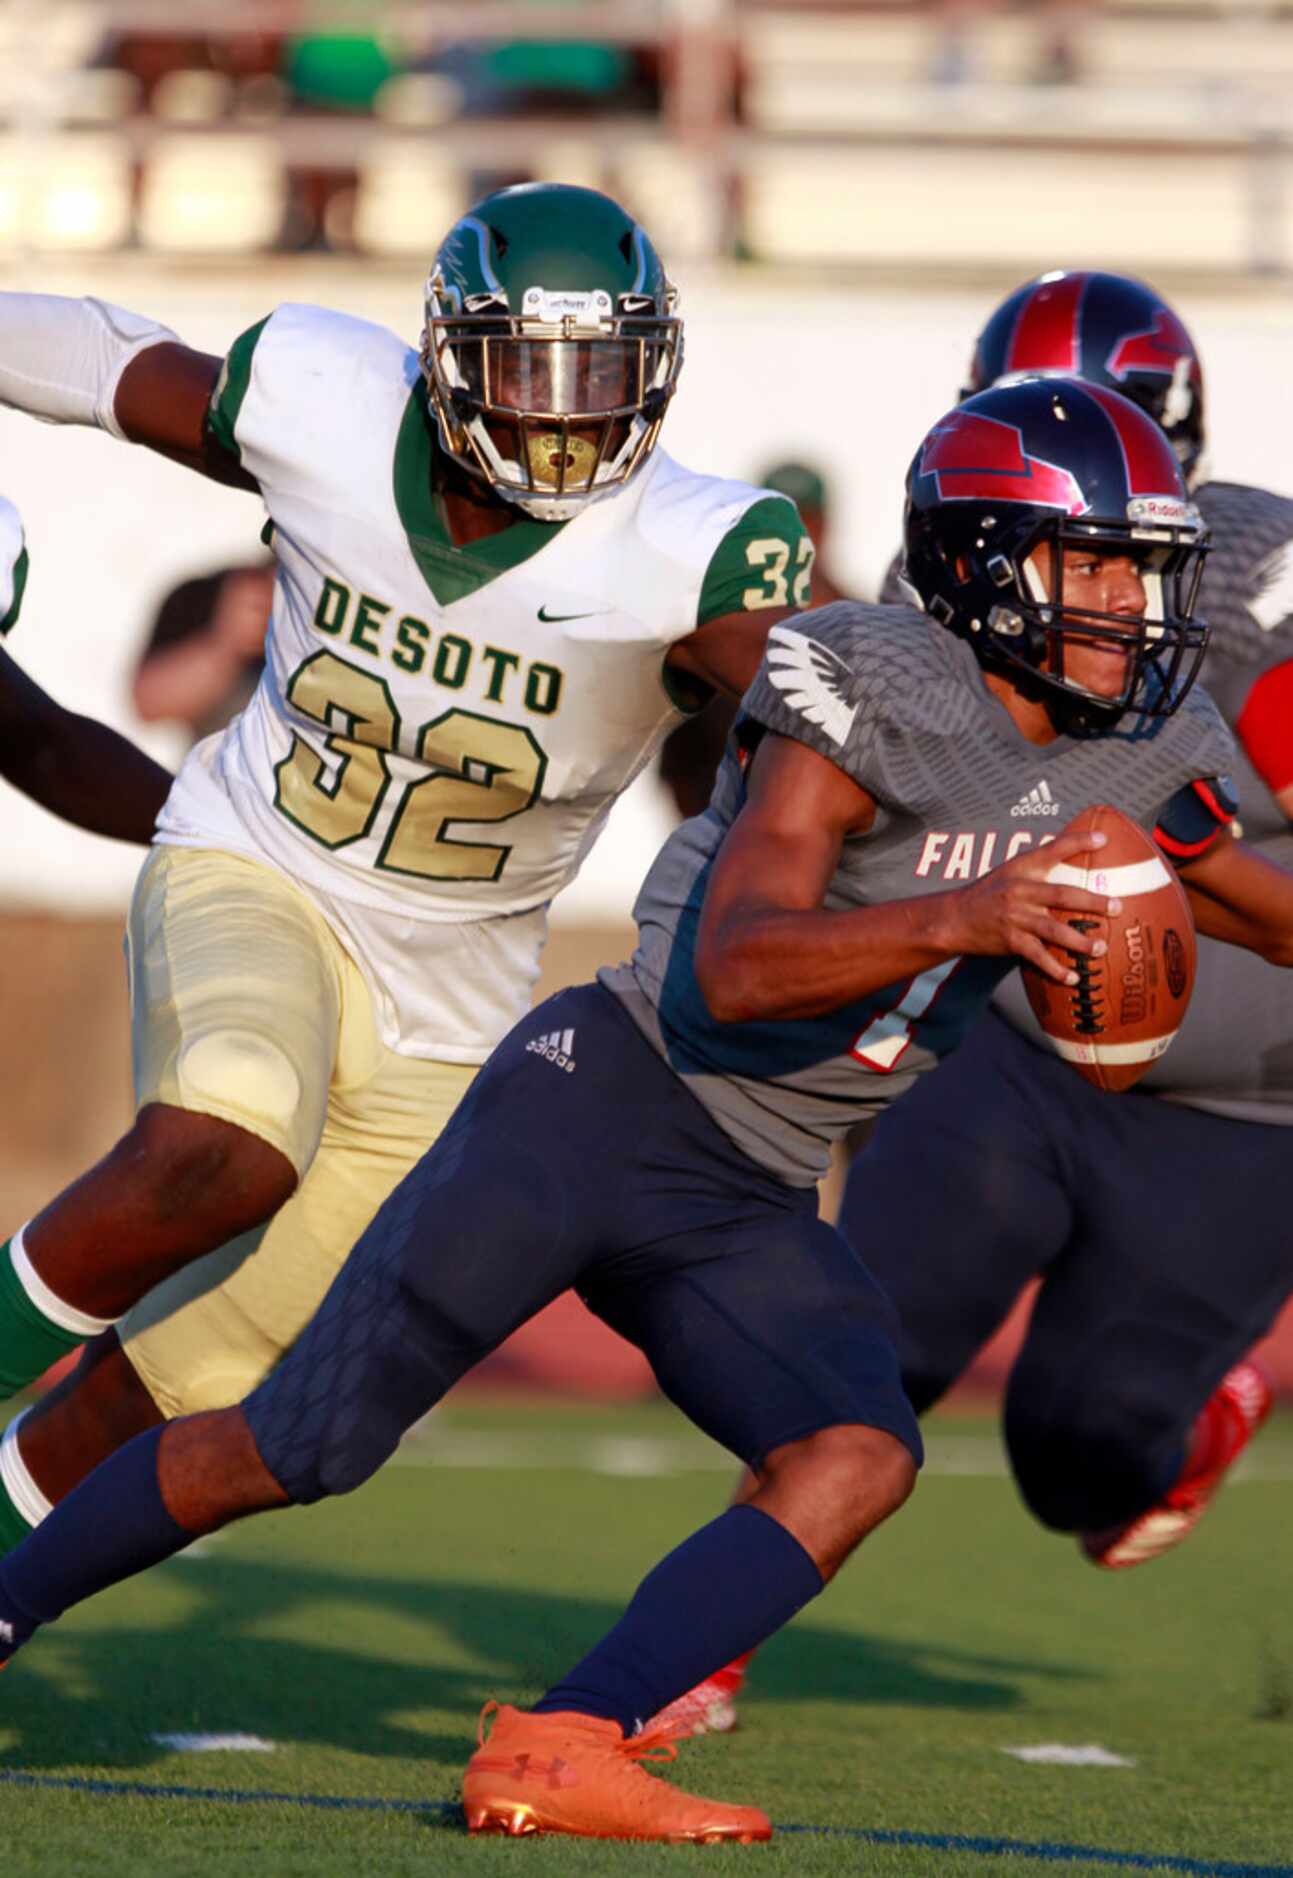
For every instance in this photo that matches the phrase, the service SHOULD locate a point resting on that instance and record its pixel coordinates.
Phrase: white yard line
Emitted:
(215, 1744)
(975, 1457)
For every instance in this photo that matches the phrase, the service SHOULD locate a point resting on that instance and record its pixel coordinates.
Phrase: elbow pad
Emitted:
(61, 360)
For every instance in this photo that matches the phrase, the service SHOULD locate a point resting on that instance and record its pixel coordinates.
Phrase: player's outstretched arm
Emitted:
(85, 361)
(74, 767)
(768, 947)
(725, 653)
(1238, 895)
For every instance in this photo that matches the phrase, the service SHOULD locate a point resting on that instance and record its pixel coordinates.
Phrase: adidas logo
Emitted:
(556, 1046)
(1038, 801)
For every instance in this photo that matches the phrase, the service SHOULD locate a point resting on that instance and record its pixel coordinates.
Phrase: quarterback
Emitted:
(1130, 1398)
(495, 595)
(655, 1138)
(74, 767)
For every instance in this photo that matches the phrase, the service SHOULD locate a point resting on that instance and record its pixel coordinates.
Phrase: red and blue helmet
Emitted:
(1075, 465)
(1109, 329)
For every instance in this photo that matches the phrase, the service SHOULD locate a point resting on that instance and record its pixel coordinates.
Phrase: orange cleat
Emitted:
(1223, 1428)
(579, 1774)
(709, 1708)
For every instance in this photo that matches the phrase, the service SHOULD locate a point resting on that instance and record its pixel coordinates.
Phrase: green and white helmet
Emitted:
(552, 346)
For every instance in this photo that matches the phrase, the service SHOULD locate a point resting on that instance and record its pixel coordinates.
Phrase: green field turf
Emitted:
(362, 1637)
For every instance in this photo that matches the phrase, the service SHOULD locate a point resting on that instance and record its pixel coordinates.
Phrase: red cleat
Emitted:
(1223, 1428)
(578, 1774)
(709, 1708)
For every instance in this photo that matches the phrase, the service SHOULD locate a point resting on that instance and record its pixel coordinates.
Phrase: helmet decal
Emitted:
(1159, 349)
(972, 457)
(478, 228)
(1150, 464)
(1047, 332)
(642, 258)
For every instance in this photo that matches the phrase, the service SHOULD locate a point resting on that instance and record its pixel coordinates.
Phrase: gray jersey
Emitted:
(900, 705)
(1233, 1055)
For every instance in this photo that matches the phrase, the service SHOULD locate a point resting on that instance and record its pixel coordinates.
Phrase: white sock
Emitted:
(25, 1496)
(65, 1316)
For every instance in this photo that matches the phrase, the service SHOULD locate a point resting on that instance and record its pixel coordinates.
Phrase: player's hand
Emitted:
(1016, 910)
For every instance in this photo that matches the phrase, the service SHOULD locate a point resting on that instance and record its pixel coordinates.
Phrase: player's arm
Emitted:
(163, 401)
(767, 946)
(1236, 894)
(84, 361)
(74, 767)
(760, 573)
(1265, 728)
(725, 653)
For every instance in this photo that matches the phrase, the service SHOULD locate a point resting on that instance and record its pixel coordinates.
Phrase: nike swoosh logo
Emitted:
(555, 619)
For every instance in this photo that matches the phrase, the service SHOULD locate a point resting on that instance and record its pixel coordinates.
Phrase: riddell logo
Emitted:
(556, 1046)
(1038, 801)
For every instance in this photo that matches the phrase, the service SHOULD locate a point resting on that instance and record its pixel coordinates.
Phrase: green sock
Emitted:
(13, 1527)
(29, 1340)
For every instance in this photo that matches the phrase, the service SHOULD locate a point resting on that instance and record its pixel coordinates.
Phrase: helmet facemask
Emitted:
(993, 592)
(558, 405)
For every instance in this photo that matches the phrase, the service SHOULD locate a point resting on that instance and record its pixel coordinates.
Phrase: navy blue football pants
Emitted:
(1162, 1236)
(578, 1158)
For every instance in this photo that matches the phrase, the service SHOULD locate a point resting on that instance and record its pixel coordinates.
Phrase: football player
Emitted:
(74, 767)
(494, 597)
(807, 947)
(1129, 1400)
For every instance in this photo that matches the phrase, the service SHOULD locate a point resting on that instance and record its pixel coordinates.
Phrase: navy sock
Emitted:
(111, 1526)
(718, 1594)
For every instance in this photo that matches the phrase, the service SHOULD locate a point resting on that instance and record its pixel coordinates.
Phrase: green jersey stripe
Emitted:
(20, 568)
(231, 389)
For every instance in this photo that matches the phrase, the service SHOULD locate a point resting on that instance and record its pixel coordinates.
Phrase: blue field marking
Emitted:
(1051, 1850)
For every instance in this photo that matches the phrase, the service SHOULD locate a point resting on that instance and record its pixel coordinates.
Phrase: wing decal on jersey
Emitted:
(1273, 580)
(812, 679)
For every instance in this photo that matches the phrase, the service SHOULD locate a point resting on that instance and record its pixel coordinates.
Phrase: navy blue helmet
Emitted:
(1072, 464)
(1109, 329)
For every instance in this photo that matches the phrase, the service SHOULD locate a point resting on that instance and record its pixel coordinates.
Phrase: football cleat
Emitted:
(1222, 1430)
(709, 1708)
(580, 1774)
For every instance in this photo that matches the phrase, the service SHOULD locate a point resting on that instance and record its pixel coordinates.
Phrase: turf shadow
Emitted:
(378, 1654)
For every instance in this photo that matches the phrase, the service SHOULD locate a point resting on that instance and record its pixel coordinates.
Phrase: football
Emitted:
(1127, 1006)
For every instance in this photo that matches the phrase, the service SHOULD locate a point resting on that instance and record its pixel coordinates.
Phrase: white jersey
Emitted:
(440, 731)
(13, 564)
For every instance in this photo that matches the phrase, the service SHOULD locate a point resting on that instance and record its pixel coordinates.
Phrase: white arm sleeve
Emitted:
(61, 360)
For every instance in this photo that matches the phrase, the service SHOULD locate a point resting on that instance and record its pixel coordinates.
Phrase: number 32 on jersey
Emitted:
(771, 557)
(485, 772)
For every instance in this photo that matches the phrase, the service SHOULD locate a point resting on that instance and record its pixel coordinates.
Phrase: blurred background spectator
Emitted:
(205, 652)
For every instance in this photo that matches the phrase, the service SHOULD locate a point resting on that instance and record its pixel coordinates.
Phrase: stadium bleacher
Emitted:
(784, 133)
